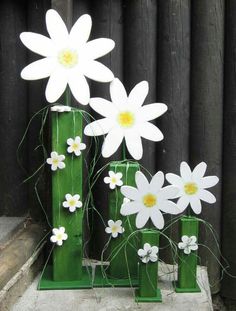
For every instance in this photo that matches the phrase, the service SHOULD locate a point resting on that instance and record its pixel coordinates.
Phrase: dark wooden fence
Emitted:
(186, 50)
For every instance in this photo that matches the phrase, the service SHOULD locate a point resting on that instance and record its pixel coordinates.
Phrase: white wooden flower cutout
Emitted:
(148, 253)
(68, 57)
(58, 236)
(56, 161)
(188, 244)
(192, 186)
(149, 199)
(75, 145)
(72, 202)
(114, 179)
(114, 228)
(125, 118)
(60, 108)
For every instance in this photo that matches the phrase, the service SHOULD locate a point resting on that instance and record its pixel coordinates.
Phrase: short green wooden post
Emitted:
(148, 290)
(118, 266)
(67, 259)
(187, 264)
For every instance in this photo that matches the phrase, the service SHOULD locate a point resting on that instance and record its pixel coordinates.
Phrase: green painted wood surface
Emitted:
(187, 264)
(67, 259)
(118, 266)
(148, 273)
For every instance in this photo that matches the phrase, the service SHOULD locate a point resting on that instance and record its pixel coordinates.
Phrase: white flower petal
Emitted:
(185, 239)
(114, 234)
(138, 94)
(72, 209)
(108, 230)
(187, 250)
(49, 161)
(181, 245)
(118, 223)
(193, 239)
(157, 182)
(98, 72)
(169, 207)
(39, 69)
(174, 180)
(185, 171)
(206, 196)
(153, 258)
(168, 192)
(110, 223)
(152, 111)
(208, 182)
(56, 27)
(147, 247)
(149, 131)
(141, 218)
(134, 144)
(38, 43)
(99, 47)
(155, 250)
(107, 180)
(61, 229)
(130, 208)
(70, 141)
(119, 183)
(130, 192)
(118, 93)
(99, 127)
(65, 204)
(194, 247)
(61, 165)
(103, 107)
(80, 31)
(112, 142)
(141, 182)
(76, 197)
(79, 88)
(145, 259)
(141, 252)
(199, 170)
(56, 86)
(157, 219)
(195, 204)
(183, 202)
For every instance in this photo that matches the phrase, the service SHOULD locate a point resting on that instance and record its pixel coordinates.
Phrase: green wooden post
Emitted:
(187, 264)
(118, 266)
(148, 290)
(67, 259)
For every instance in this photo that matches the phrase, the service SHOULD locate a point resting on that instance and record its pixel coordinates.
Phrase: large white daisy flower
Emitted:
(192, 185)
(68, 57)
(125, 118)
(149, 199)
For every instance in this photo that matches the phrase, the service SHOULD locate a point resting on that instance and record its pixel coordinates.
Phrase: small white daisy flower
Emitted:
(75, 145)
(56, 161)
(114, 179)
(188, 244)
(114, 228)
(58, 236)
(72, 202)
(148, 253)
(60, 108)
(148, 200)
(192, 185)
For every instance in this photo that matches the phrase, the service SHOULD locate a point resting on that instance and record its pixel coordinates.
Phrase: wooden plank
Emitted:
(173, 73)
(65, 9)
(228, 288)
(13, 116)
(206, 112)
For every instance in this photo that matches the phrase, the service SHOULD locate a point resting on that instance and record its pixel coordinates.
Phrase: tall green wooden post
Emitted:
(119, 268)
(187, 264)
(148, 290)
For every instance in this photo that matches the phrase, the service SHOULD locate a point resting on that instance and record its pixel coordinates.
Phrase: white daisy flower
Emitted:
(125, 118)
(114, 179)
(68, 57)
(72, 202)
(114, 228)
(148, 253)
(56, 161)
(60, 108)
(58, 236)
(188, 244)
(75, 145)
(149, 199)
(192, 185)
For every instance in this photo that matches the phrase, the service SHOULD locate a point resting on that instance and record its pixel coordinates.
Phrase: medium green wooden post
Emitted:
(118, 266)
(67, 259)
(187, 264)
(148, 290)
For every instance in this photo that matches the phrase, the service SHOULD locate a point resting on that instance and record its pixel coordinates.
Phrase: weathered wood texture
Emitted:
(228, 219)
(153, 40)
(206, 113)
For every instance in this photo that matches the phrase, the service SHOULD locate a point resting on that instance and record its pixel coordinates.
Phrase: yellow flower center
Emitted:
(68, 58)
(113, 180)
(149, 200)
(114, 229)
(72, 202)
(75, 146)
(55, 161)
(190, 188)
(59, 236)
(126, 119)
